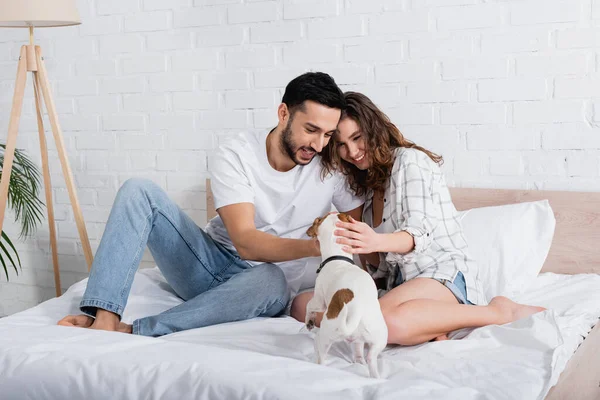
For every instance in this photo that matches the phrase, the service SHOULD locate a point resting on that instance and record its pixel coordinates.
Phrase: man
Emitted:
(267, 189)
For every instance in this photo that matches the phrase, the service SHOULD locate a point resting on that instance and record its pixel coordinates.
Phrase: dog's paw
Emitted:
(310, 324)
(359, 360)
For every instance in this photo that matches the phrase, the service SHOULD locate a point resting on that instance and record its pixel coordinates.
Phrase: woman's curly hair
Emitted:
(382, 137)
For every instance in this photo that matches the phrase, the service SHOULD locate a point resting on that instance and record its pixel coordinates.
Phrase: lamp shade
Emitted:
(38, 13)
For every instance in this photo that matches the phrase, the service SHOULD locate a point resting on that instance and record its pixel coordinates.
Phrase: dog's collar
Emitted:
(333, 258)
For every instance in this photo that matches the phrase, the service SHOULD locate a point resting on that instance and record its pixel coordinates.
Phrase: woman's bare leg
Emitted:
(298, 310)
(434, 312)
(422, 309)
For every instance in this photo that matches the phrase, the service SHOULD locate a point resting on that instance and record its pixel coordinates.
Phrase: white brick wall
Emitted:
(507, 91)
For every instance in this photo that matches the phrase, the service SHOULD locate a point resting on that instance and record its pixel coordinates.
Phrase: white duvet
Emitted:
(273, 358)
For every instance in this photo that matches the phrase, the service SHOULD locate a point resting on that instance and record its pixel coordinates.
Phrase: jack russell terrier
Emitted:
(348, 297)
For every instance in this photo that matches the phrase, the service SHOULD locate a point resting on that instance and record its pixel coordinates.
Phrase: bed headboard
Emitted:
(576, 238)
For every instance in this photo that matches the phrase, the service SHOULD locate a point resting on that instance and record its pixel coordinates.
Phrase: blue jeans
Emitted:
(215, 283)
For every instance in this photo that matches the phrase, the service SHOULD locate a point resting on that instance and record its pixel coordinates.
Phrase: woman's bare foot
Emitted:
(441, 338)
(125, 328)
(510, 311)
(105, 321)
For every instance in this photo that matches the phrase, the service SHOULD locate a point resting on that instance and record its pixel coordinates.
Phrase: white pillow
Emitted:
(509, 243)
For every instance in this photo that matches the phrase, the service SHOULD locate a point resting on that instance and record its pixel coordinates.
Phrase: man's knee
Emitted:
(138, 191)
(271, 280)
(137, 186)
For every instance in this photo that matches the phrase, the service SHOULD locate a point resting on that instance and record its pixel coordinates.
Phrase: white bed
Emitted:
(272, 358)
(544, 356)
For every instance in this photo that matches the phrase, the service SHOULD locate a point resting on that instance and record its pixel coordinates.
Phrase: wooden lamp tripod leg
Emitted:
(47, 181)
(13, 130)
(45, 86)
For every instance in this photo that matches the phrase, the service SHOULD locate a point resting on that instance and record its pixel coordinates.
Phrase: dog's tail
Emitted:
(349, 324)
(338, 309)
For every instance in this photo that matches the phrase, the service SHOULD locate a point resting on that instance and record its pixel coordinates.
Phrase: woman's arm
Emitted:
(372, 258)
(368, 243)
(415, 208)
(398, 242)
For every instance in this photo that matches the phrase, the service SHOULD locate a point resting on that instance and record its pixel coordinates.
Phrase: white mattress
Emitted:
(273, 358)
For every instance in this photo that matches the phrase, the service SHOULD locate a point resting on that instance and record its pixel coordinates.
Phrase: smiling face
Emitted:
(307, 130)
(351, 144)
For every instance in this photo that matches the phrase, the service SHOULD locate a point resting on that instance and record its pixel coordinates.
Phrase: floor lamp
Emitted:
(30, 14)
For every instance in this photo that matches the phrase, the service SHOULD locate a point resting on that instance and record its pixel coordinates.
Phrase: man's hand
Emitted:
(316, 247)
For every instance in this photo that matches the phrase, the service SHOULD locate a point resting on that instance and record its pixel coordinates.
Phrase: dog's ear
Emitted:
(314, 229)
(344, 217)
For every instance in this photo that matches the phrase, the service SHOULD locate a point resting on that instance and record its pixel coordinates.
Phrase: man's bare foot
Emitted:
(105, 321)
(510, 311)
(80, 321)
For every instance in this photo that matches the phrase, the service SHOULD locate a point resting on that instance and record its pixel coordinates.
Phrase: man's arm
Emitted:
(252, 244)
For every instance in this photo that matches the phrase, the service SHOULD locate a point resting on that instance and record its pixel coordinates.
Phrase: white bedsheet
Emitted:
(273, 358)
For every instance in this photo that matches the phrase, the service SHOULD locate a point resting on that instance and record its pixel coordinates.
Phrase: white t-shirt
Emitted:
(286, 203)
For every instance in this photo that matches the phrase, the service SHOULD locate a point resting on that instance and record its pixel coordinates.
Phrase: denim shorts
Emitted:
(458, 287)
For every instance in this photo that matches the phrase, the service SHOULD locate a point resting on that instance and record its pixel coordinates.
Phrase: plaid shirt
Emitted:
(417, 201)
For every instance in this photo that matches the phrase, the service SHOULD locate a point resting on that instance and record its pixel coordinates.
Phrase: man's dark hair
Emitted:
(316, 86)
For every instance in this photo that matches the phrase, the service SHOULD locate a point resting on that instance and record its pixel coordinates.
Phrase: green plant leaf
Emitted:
(4, 265)
(23, 200)
(5, 250)
(7, 253)
(7, 239)
(23, 191)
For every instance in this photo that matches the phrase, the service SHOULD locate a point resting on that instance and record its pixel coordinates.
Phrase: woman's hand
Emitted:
(358, 237)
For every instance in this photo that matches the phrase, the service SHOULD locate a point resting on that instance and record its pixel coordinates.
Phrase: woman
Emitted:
(410, 241)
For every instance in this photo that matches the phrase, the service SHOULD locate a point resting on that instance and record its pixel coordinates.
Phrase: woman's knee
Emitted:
(399, 323)
(298, 310)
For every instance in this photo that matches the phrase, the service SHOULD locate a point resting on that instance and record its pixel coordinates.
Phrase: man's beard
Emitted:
(288, 145)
